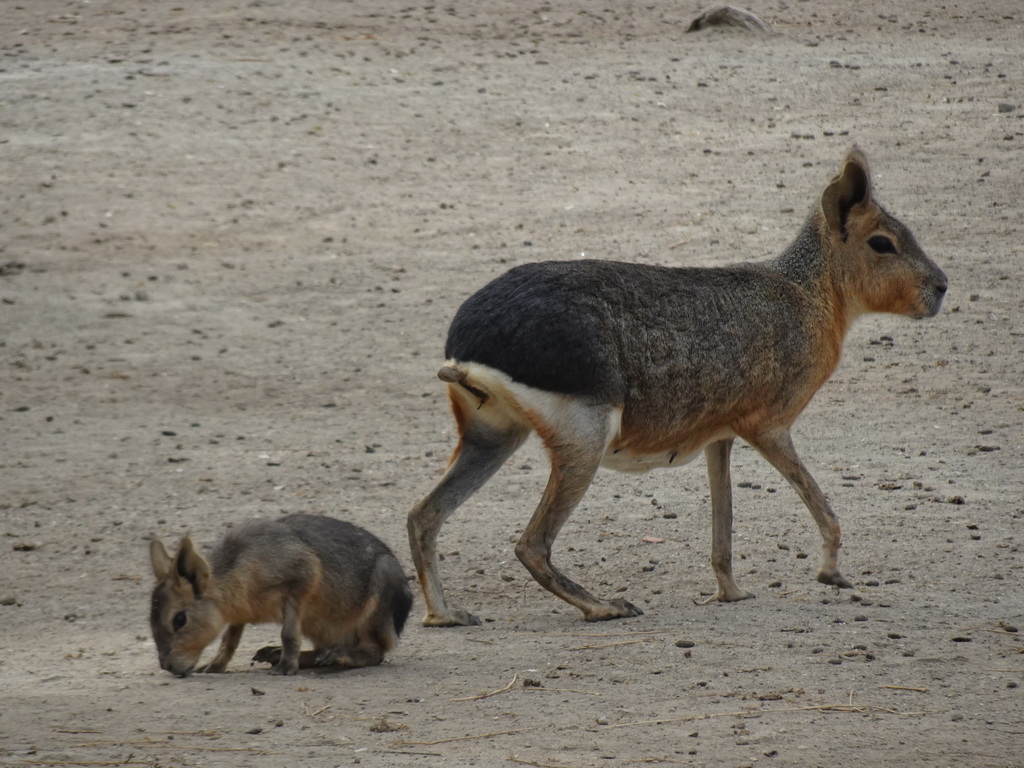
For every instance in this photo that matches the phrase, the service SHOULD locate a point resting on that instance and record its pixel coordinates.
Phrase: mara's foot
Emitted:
(835, 578)
(612, 609)
(453, 617)
(732, 594)
(268, 654)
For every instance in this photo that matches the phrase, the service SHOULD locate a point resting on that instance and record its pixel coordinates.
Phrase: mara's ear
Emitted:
(161, 560)
(851, 187)
(192, 567)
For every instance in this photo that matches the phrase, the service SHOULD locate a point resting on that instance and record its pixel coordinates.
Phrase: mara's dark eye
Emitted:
(881, 244)
(180, 619)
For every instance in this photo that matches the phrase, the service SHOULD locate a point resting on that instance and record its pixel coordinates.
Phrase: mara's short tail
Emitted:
(401, 604)
(451, 372)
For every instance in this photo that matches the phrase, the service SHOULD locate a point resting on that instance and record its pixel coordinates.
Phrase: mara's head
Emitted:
(183, 620)
(875, 256)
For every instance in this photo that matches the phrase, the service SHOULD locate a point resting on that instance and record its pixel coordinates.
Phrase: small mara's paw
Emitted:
(282, 668)
(612, 609)
(328, 656)
(454, 617)
(268, 654)
(835, 578)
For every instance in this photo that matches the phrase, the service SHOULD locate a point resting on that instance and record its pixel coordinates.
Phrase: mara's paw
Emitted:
(268, 654)
(210, 669)
(284, 668)
(730, 595)
(612, 609)
(328, 656)
(835, 578)
(454, 617)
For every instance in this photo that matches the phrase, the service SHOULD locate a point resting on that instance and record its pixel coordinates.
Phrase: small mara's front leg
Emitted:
(228, 645)
(777, 447)
(717, 455)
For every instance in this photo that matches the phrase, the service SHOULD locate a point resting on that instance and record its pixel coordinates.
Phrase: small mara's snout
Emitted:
(176, 668)
(934, 292)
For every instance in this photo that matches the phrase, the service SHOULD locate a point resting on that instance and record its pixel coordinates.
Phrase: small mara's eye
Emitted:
(180, 620)
(881, 244)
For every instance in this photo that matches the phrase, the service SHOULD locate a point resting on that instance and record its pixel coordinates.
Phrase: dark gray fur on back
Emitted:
(619, 332)
(346, 550)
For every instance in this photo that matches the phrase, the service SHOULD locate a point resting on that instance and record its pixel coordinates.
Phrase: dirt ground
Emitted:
(232, 236)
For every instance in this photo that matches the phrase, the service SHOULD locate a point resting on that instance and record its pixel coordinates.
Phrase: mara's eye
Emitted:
(881, 244)
(180, 619)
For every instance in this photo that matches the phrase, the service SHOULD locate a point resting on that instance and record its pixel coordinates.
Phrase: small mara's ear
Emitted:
(851, 187)
(192, 567)
(161, 560)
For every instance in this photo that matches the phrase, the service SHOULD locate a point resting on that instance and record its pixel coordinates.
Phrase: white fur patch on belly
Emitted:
(624, 461)
(571, 419)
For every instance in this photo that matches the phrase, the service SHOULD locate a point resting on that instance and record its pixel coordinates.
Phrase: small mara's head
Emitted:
(183, 621)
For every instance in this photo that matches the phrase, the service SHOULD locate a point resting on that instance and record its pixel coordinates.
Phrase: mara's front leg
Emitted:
(228, 645)
(777, 447)
(718, 455)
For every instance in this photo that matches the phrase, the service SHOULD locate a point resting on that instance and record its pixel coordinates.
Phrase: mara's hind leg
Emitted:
(374, 633)
(718, 454)
(576, 443)
(271, 654)
(777, 448)
(339, 655)
(291, 639)
(366, 654)
(482, 449)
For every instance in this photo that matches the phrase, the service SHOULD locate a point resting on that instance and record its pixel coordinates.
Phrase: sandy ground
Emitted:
(232, 236)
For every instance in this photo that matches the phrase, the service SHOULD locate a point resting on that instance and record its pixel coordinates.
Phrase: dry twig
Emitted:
(819, 708)
(603, 645)
(322, 709)
(600, 634)
(514, 759)
(905, 688)
(404, 743)
(397, 752)
(506, 689)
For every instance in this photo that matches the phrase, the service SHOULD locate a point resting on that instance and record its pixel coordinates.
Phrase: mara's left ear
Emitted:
(851, 187)
(192, 567)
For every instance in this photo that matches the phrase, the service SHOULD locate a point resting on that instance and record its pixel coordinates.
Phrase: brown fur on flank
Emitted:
(320, 578)
(633, 367)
